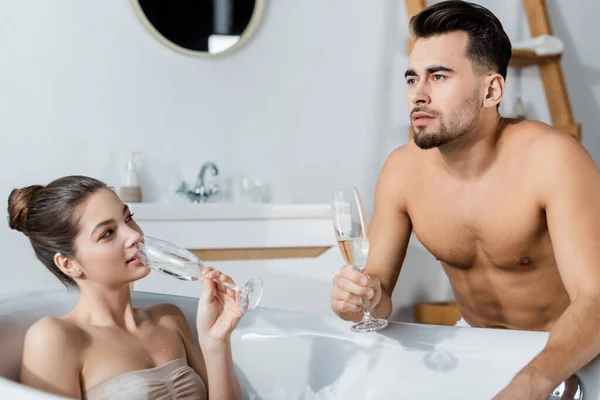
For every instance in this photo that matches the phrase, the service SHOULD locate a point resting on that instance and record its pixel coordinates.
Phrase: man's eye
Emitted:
(411, 81)
(438, 77)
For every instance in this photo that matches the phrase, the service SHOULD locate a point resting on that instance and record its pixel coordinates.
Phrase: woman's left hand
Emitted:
(218, 310)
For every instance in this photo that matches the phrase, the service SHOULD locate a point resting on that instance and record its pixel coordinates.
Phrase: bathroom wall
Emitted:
(83, 83)
(315, 100)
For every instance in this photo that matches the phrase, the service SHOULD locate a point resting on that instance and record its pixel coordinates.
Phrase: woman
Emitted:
(105, 348)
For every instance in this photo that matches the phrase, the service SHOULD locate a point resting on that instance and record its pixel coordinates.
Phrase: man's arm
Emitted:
(389, 233)
(569, 187)
(390, 228)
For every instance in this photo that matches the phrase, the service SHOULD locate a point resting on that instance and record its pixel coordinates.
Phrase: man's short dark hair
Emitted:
(489, 46)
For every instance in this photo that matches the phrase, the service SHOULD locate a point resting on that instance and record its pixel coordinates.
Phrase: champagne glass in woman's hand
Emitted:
(180, 263)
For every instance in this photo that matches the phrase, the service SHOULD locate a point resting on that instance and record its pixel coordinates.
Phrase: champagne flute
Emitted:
(182, 264)
(351, 234)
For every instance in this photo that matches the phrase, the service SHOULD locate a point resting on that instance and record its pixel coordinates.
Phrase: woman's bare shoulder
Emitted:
(52, 356)
(53, 331)
(168, 315)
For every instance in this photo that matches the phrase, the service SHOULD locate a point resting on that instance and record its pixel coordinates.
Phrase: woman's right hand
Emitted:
(218, 310)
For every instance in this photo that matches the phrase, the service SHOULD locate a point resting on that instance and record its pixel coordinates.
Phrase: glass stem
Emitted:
(366, 313)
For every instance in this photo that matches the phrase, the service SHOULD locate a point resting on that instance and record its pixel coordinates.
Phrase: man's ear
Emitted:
(494, 90)
(67, 266)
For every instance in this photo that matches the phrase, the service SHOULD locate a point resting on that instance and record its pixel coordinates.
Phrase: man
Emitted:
(510, 208)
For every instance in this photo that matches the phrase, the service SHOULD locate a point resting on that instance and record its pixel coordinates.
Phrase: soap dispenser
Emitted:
(130, 191)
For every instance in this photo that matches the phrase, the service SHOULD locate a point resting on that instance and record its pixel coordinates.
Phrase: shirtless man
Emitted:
(510, 208)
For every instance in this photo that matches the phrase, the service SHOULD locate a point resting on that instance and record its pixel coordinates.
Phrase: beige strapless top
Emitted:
(173, 380)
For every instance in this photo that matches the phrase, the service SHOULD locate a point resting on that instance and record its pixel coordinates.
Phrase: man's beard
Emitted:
(462, 120)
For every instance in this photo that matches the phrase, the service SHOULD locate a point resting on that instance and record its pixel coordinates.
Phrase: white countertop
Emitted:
(228, 211)
(237, 212)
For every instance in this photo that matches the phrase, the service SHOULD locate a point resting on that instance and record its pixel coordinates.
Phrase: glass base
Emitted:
(251, 294)
(369, 325)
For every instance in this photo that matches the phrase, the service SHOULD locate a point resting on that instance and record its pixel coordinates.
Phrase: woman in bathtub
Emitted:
(105, 348)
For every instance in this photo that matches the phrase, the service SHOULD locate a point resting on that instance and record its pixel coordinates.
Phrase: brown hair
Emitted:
(48, 216)
(489, 46)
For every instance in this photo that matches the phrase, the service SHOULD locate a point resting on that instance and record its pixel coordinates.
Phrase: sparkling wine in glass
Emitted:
(351, 233)
(182, 264)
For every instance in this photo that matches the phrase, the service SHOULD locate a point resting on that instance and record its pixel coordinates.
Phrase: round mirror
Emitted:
(200, 27)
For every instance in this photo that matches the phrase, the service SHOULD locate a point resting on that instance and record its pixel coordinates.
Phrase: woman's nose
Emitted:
(133, 237)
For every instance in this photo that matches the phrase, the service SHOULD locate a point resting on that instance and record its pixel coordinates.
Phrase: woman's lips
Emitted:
(135, 261)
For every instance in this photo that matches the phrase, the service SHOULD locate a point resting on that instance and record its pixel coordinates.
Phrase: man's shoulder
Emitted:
(401, 171)
(409, 149)
(538, 139)
(405, 156)
(550, 157)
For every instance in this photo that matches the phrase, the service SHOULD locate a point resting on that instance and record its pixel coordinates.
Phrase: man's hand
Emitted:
(528, 386)
(350, 290)
(519, 392)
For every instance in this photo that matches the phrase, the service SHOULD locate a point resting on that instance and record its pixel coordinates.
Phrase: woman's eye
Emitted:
(107, 234)
(129, 218)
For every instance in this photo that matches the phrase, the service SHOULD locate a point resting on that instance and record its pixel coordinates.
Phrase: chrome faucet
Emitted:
(570, 389)
(201, 192)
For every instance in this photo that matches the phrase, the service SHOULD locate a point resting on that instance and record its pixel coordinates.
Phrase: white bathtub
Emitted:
(288, 355)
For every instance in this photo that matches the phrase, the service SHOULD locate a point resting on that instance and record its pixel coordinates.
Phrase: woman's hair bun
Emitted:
(19, 203)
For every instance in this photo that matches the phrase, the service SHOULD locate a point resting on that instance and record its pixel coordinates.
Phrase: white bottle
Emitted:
(130, 191)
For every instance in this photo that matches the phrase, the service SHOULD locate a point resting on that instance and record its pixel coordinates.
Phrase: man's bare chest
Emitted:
(501, 226)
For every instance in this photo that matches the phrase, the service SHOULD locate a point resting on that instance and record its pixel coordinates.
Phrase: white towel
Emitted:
(544, 45)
